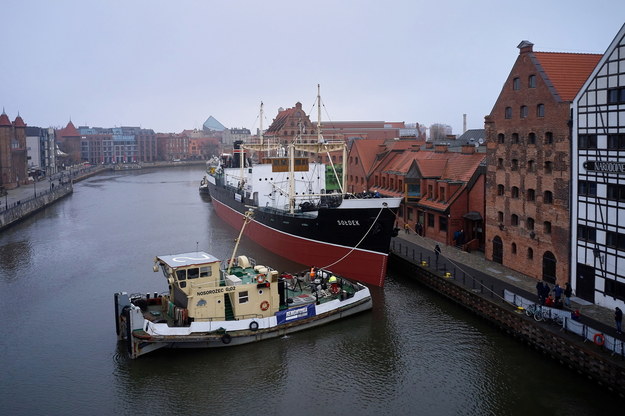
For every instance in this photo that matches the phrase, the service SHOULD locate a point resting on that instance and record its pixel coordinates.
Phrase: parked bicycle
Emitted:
(540, 314)
(536, 311)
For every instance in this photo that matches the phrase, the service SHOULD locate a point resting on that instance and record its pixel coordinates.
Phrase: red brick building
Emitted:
(528, 145)
(13, 164)
(172, 146)
(443, 191)
(68, 140)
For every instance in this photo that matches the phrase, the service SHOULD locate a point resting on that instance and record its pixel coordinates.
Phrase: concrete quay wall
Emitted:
(585, 358)
(16, 213)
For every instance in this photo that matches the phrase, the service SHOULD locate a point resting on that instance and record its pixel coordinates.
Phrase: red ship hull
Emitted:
(362, 265)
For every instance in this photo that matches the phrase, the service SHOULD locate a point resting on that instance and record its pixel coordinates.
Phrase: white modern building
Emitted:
(598, 182)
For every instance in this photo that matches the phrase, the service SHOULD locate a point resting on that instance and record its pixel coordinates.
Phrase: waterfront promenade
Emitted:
(484, 275)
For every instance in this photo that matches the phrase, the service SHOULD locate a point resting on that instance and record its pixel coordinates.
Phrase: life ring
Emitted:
(260, 278)
(264, 305)
(253, 326)
(599, 339)
(226, 338)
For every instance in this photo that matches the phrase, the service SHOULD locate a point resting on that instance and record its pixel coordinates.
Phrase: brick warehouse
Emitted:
(528, 145)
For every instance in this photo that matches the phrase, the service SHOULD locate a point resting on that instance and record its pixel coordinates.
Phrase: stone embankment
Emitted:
(21, 210)
(484, 296)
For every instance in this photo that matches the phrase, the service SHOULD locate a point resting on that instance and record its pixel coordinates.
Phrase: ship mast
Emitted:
(319, 137)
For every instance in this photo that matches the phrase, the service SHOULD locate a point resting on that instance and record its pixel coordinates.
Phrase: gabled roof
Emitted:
(283, 116)
(567, 71)
(367, 150)
(212, 124)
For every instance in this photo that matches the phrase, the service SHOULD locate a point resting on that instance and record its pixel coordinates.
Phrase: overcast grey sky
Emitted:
(168, 65)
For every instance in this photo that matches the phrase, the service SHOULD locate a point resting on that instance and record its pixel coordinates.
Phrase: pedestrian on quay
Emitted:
(419, 228)
(546, 290)
(618, 319)
(557, 294)
(568, 292)
(540, 292)
(407, 228)
(437, 251)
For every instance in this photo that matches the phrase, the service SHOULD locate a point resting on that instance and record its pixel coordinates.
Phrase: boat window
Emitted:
(205, 271)
(181, 274)
(193, 273)
(243, 297)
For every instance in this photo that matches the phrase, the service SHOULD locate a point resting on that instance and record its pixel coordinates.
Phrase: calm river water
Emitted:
(414, 354)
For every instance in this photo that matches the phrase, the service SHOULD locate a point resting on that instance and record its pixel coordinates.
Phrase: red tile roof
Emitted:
(368, 150)
(19, 122)
(567, 71)
(4, 120)
(69, 131)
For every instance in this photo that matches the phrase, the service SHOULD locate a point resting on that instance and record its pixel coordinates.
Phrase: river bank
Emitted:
(589, 346)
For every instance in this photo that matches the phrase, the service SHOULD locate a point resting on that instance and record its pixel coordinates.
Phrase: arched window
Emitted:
(515, 192)
(515, 164)
(497, 250)
(508, 112)
(514, 219)
(540, 110)
(548, 198)
(513, 247)
(515, 138)
(500, 189)
(531, 195)
(500, 216)
(530, 223)
(531, 81)
(500, 163)
(523, 111)
(531, 138)
(549, 267)
(531, 166)
(501, 138)
(516, 84)
(547, 227)
(530, 253)
(548, 137)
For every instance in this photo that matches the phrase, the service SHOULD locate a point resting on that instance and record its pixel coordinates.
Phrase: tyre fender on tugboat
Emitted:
(226, 338)
(253, 326)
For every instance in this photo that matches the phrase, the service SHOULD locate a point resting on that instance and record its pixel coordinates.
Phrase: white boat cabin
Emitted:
(207, 292)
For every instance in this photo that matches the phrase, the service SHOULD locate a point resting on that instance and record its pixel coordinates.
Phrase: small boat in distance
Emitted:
(213, 303)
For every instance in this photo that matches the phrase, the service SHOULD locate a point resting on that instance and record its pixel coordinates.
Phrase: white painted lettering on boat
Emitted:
(296, 313)
(347, 222)
(214, 291)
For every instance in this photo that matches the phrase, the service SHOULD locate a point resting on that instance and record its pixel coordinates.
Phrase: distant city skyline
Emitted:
(169, 66)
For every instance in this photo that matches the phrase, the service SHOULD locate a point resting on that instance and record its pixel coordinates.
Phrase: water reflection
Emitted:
(13, 256)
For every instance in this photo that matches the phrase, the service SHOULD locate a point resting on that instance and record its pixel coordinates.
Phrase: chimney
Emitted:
(441, 148)
(467, 149)
(464, 123)
(525, 46)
